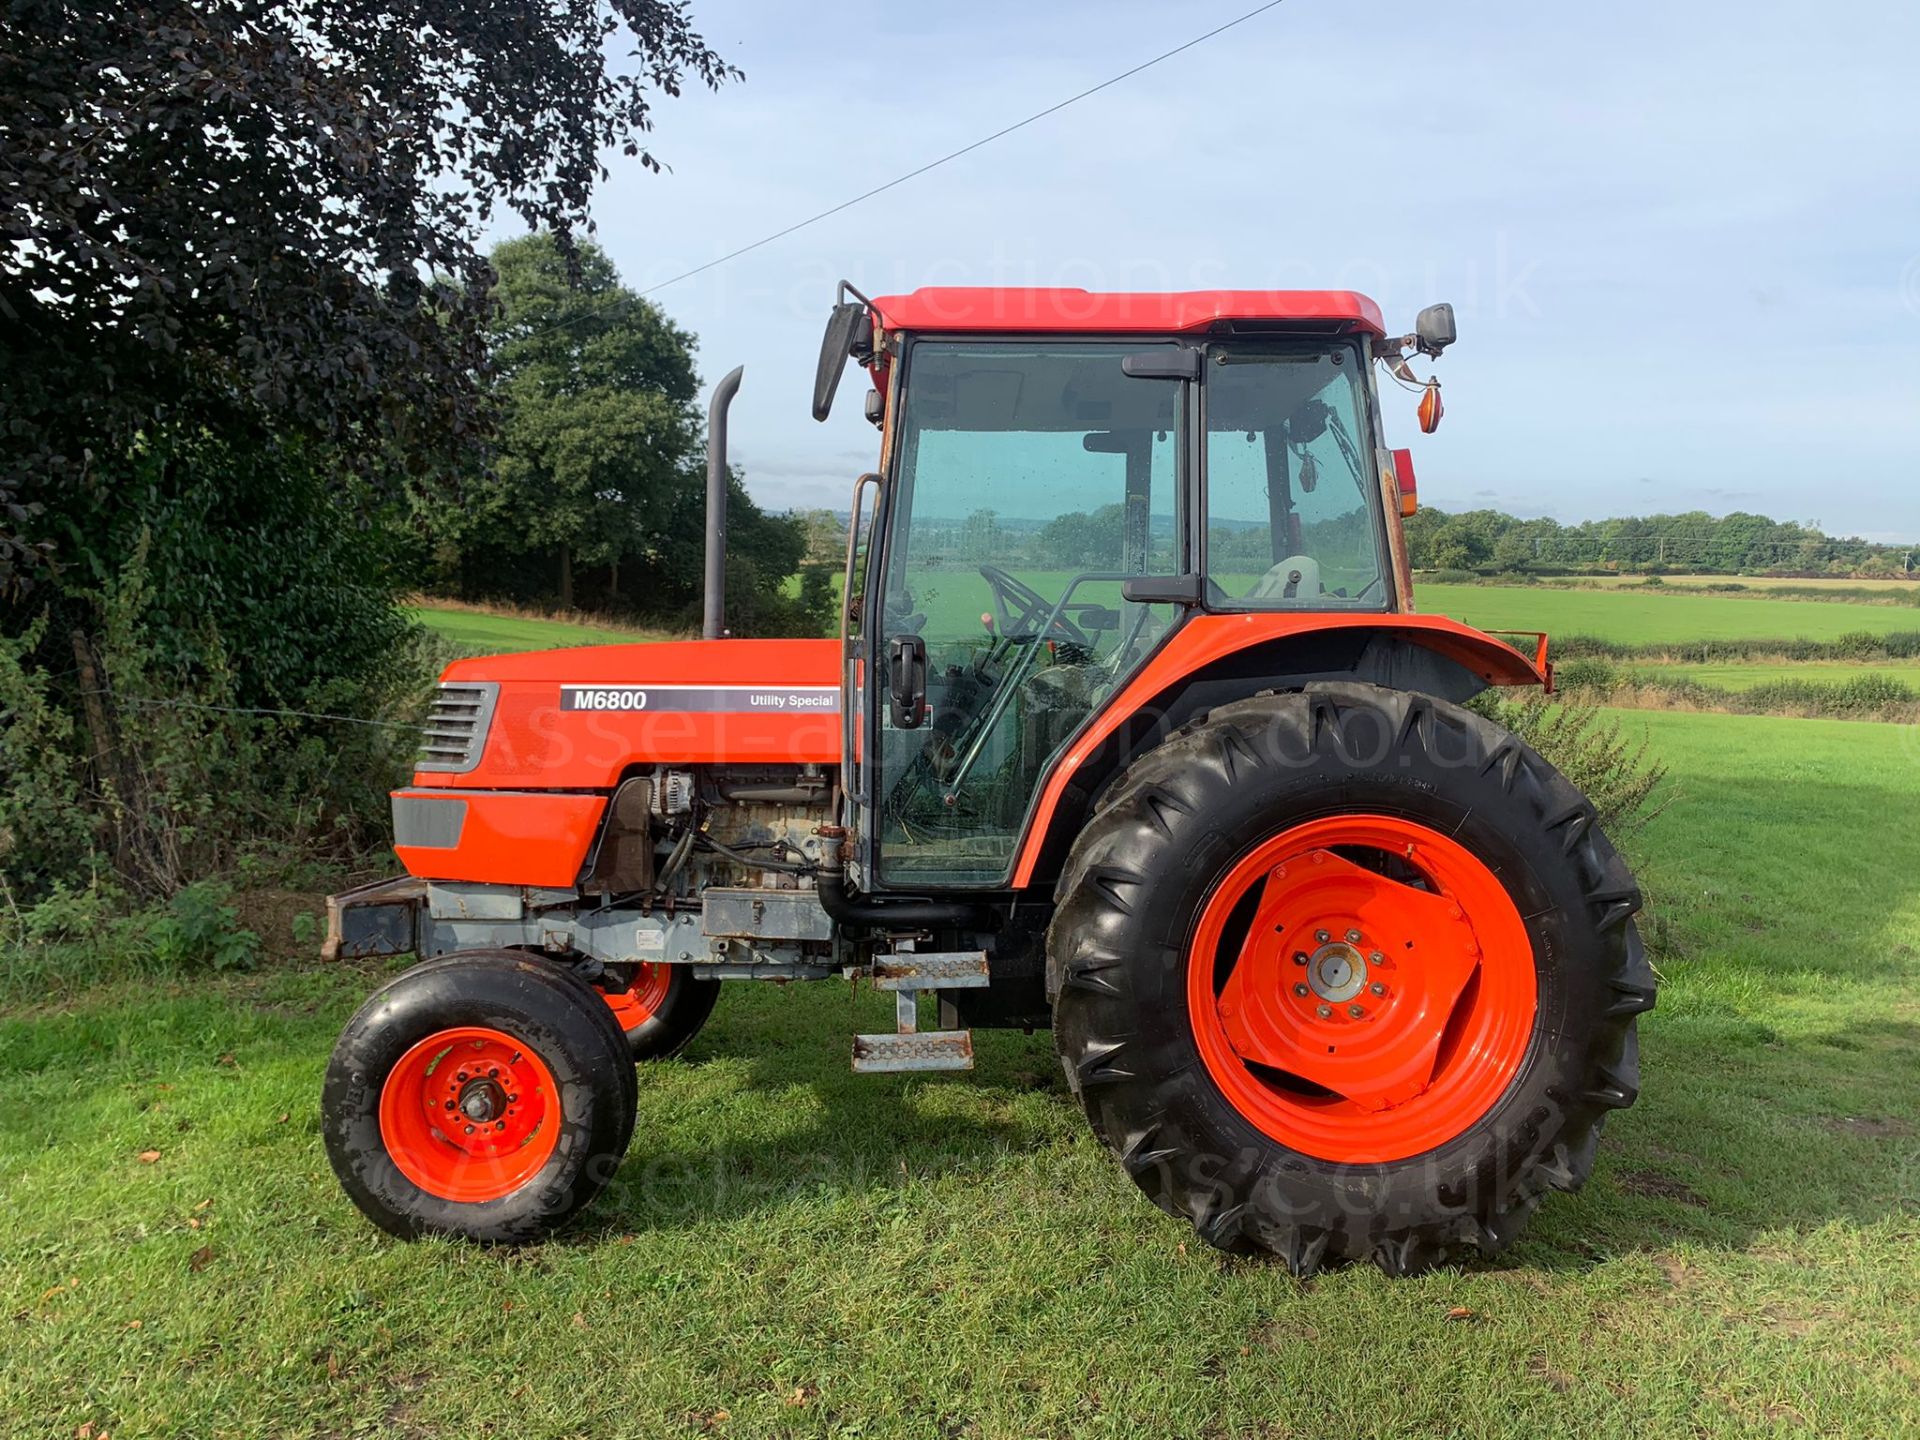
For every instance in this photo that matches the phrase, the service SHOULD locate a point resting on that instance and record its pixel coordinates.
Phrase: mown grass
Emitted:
(1639, 617)
(793, 1250)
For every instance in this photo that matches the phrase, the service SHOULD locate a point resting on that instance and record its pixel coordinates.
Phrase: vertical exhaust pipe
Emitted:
(714, 615)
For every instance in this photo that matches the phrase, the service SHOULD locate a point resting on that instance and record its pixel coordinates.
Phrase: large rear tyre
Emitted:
(486, 1094)
(662, 1009)
(1348, 973)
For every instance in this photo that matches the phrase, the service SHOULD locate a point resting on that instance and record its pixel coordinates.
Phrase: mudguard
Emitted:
(1206, 639)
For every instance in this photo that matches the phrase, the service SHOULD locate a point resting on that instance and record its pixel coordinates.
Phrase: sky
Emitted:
(1682, 239)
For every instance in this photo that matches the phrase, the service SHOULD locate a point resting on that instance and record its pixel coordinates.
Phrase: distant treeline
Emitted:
(1694, 542)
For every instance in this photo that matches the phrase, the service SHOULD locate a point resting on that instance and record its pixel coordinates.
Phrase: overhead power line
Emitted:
(952, 155)
(920, 170)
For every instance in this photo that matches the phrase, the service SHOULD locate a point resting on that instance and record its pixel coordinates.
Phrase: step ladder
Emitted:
(907, 972)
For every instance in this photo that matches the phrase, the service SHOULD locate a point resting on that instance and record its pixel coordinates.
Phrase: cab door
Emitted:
(1031, 480)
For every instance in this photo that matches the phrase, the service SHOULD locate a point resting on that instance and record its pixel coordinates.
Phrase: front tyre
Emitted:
(487, 1094)
(1348, 973)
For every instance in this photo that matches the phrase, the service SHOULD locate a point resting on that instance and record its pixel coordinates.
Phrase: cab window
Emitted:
(1292, 493)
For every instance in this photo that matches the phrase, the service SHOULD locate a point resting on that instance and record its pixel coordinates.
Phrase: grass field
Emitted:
(487, 632)
(1737, 676)
(791, 1250)
(1650, 618)
(1759, 582)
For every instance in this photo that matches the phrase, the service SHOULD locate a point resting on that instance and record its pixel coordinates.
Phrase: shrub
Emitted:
(1616, 771)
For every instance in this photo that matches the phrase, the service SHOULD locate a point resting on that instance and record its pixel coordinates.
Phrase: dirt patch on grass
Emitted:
(1652, 1185)
(1868, 1127)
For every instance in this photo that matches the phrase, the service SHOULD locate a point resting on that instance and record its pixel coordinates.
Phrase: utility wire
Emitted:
(914, 174)
(968, 149)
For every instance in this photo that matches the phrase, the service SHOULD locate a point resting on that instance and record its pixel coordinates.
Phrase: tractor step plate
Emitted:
(922, 1050)
(910, 970)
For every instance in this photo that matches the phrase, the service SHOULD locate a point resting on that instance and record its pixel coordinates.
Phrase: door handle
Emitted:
(907, 681)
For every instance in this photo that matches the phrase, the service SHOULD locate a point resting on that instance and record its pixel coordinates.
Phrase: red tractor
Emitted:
(1130, 731)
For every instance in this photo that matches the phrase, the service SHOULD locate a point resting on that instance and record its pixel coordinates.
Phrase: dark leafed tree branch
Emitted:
(261, 218)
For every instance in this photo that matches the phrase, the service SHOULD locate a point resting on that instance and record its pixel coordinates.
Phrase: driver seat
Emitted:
(1295, 578)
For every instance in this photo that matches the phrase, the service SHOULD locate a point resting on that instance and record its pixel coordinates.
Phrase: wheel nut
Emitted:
(449, 1104)
(1377, 988)
(461, 1076)
(1299, 957)
(1353, 937)
(469, 1129)
(1376, 958)
(1301, 991)
(1356, 1011)
(1322, 936)
(1325, 1012)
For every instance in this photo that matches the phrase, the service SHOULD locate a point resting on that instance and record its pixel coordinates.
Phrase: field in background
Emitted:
(484, 630)
(1754, 582)
(1641, 617)
(1738, 676)
(793, 1250)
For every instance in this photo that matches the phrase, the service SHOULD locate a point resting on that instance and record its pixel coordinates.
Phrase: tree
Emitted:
(242, 310)
(599, 430)
(227, 215)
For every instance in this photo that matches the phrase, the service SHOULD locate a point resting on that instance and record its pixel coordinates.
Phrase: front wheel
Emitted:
(486, 1094)
(1348, 973)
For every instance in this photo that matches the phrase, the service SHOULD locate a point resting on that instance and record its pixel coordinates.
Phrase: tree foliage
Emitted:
(1690, 541)
(231, 214)
(242, 312)
(598, 486)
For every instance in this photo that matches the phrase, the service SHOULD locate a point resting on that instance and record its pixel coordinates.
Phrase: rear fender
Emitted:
(1215, 659)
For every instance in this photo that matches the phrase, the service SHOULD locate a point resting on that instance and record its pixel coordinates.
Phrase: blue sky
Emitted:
(1683, 238)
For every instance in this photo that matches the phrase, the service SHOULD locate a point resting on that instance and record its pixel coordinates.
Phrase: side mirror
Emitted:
(1433, 329)
(849, 330)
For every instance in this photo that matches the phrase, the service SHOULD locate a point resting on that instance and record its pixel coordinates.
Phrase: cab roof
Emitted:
(1058, 311)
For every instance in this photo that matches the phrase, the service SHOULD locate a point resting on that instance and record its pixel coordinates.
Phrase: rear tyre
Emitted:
(486, 1094)
(1348, 973)
(662, 1009)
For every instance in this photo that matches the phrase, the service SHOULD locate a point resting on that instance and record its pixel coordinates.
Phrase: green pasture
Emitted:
(791, 1250)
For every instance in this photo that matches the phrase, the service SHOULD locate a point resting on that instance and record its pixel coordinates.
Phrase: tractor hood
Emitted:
(579, 719)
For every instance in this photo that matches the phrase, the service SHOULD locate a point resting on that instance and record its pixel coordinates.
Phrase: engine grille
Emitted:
(456, 728)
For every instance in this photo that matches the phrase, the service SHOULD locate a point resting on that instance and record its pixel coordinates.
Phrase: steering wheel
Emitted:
(1020, 605)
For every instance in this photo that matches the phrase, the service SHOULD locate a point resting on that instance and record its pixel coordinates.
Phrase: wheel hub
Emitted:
(1426, 944)
(482, 1101)
(1336, 972)
(1379, 1051)
(469, 1114)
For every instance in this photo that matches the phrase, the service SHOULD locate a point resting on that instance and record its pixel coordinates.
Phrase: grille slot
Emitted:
(456, 728)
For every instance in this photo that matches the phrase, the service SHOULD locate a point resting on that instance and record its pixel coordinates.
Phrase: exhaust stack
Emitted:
(714, 615)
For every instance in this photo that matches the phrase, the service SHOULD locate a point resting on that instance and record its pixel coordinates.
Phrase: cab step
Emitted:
(910, 970)
(914, 1050)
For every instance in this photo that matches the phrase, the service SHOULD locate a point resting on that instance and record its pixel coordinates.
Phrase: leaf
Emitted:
(1461, 1312)
(200, 1259)
(148, 1157)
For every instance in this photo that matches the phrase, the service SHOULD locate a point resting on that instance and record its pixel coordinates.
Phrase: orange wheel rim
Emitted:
(1361, 988)
(470, 1114)
(642, 999)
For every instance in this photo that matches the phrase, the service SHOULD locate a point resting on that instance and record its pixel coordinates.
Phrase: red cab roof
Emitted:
(1073, 311)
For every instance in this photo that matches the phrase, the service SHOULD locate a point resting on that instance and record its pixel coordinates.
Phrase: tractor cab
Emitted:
(1130, 731)
(1058, 496)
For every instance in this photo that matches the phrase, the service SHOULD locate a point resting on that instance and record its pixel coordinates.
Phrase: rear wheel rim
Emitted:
(470, 1114)
(643, 997)
(1361, 988)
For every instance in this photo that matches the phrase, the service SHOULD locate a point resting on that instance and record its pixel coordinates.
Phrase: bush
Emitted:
(219, 669)
(1617, 772)
(1590, 673)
